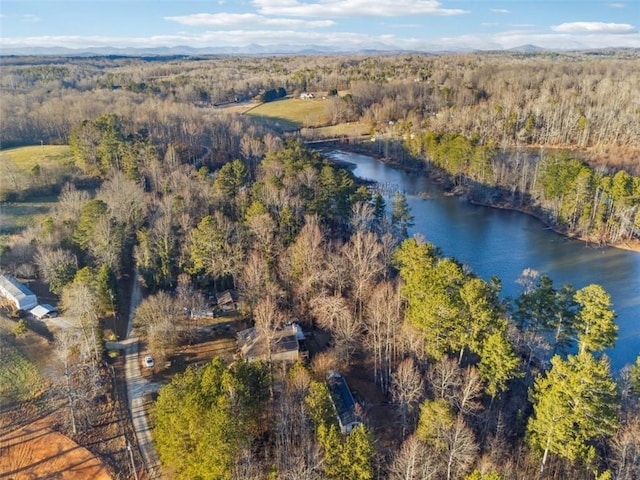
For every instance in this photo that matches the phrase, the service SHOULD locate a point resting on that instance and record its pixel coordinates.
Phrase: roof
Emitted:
(227, 297)
(286, 344)
(342, 399)
(42, 310)
(10, 286)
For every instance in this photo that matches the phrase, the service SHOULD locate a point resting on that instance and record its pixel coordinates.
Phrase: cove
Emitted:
(504, 243)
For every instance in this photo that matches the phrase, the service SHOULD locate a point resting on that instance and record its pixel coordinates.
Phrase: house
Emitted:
(43, 311)
(306, 95)
(343, 402)
(288, 344)
(227, 300)
(17, 293)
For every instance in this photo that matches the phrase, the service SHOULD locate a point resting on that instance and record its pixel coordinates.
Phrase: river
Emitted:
(504, 243)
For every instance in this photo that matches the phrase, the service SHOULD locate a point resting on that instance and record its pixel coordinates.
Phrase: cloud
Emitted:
(246, 20)
(500, 10)
(30, 18)
(354, 8)
(594, 27)
(616, 5)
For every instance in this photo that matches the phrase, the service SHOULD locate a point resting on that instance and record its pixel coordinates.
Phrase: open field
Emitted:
(34, 167)
(36, 451)
(15, 216)
(351, 129)
(19, 377)
(292, 113)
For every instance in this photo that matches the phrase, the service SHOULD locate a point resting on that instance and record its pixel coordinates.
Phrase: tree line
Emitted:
(198, 201)
(565, 191)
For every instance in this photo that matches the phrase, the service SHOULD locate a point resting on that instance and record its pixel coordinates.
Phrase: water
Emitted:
(504, 243)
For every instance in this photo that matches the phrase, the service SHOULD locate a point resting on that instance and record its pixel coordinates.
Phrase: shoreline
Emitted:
(628, 245)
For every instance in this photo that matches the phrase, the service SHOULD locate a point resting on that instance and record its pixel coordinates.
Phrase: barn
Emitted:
(17, 293)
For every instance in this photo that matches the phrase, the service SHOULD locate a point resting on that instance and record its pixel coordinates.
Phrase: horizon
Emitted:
(333, 26)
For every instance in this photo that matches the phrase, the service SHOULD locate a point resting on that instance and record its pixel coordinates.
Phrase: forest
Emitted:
(164, 179)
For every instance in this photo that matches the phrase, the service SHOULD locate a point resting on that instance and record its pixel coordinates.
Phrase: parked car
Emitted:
(148, 361)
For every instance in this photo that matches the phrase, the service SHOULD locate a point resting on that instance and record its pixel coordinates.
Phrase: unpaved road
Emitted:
(137, 387)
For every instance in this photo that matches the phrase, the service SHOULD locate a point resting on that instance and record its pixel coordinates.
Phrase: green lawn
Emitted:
(25, 168)
(19, 378)
(292, 113)
(15, 216)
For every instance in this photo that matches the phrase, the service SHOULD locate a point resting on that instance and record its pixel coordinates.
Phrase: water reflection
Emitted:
(503, 243)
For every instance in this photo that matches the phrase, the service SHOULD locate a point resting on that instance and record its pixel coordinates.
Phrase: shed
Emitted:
(227, 301)
(17, 293)
(343, 402)
(44, 311)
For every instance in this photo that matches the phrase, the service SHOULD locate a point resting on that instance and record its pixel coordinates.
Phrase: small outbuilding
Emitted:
(227, 301)
(343, 402)
(40, 312)
(17, 293)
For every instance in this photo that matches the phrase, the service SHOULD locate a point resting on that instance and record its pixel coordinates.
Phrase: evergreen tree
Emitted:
(595, 319)
(574, 404)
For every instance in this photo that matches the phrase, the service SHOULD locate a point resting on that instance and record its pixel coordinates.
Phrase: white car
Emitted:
(148, 361)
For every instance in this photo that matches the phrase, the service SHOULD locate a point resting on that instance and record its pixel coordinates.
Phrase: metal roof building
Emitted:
(17, 293)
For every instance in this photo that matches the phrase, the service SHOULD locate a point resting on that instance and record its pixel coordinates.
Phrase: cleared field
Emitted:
(292, 113)
(25, 168)
(19, 378)
(15, 216)
(352, 129)
(35, 451)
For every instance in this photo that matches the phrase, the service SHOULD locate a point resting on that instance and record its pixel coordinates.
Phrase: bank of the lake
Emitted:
(503, 242)
(632, 245)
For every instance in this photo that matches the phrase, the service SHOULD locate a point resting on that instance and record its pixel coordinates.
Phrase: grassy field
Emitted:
(19, 378)
(292, 113)
(24, 168)
(15, 216)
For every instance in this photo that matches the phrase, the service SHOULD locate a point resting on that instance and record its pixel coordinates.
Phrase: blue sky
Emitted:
(348, 24)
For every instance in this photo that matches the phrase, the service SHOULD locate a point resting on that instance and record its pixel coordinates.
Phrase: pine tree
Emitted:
(595, 319)
(574, 404)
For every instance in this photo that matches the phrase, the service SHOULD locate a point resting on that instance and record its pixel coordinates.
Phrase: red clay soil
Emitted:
(37, 452)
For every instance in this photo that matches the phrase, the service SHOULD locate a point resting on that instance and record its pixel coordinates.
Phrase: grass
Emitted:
(19, 167)
(352, 129)
(292, 113)
(19, 378)
(17, 216)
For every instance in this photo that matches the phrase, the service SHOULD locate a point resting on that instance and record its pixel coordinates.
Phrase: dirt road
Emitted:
(138, 387)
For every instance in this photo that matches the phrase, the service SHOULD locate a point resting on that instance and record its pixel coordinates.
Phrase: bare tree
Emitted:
(362, 253)
(384, 331)
(333, 313)
(157, 315)
(268, 319)
(308, 258)
(407, 389)
(80, 302)
(626, 450)
(414, 461)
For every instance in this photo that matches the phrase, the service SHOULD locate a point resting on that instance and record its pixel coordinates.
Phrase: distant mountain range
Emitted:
(255, 49)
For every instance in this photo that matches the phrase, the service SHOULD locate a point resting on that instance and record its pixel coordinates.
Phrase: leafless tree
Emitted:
(333, 313)
(80, 302)
(625, 446)
(362, 254)
(407, 389)
(268, 319)
(384, 330)
(414, 461)
(157, 316)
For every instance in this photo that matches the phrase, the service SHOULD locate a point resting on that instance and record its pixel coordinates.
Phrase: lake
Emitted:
(504, 243)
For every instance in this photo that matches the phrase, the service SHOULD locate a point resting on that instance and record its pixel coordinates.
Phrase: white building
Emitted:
(17, 293)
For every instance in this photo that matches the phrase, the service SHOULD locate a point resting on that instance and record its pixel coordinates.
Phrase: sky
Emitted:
(341, 24)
